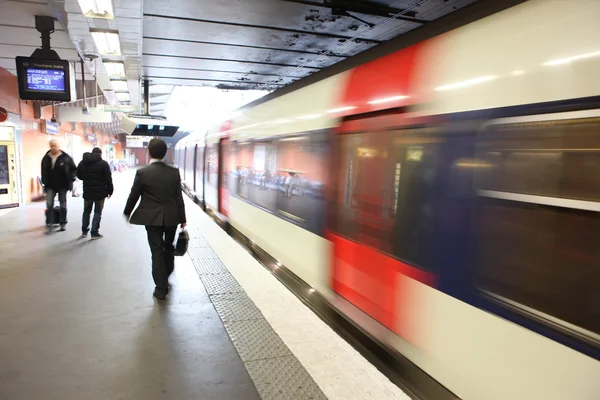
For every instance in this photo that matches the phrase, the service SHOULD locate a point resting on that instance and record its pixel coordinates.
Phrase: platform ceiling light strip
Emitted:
(114, 69)
(107, 41)
(567, 60)
(341, 109)
(388, 99)
(97, 9)
(463, 84)
(119, 85)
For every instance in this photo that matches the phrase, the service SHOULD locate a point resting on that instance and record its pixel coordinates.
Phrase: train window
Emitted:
(189, 164)
(212, 165)
(199, 169)
(536, 227)
(383, 191)
(415, 156)
(284, 176)
(362, 187)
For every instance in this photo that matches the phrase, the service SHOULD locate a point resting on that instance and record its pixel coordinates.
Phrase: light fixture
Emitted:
(311, 116)
(388, 99)
(97, 9)
(517, 72)
(341, 109)
(115, 69)
(470, 82)
(107, 41)
(119, 85)
(123, 96)
(567, 60)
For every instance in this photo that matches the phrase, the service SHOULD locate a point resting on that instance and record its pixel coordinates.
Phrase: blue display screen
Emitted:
(47, 80)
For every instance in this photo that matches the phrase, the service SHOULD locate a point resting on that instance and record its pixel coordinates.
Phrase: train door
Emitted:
(223, 203)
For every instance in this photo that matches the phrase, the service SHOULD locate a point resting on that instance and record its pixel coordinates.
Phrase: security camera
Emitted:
(85, 110)
(53, 119)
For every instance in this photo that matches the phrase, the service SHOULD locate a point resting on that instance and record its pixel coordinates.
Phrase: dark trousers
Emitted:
(160, 239)
(62, 200)
(98, 206)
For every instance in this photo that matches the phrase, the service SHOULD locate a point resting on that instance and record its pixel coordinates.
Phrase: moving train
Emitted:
(448, 193)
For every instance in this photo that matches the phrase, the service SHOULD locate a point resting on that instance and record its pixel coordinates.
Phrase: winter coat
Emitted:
(62, 175)
(96, 176)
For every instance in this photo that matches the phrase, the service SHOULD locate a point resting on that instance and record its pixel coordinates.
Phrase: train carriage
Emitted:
(445, 196)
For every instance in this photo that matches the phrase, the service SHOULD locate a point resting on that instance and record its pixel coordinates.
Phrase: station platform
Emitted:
(78, 319)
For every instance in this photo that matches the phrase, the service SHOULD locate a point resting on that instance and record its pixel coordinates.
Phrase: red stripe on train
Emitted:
(369, 279)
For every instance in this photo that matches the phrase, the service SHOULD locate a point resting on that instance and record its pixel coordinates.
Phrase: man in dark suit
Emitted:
(161, 210)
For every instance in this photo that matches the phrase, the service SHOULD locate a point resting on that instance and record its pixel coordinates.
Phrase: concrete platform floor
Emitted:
(78, 320)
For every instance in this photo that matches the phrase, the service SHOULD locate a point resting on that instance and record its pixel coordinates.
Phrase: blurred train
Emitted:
(445, 196)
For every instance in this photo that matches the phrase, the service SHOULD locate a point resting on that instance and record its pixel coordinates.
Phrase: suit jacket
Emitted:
(159, 186)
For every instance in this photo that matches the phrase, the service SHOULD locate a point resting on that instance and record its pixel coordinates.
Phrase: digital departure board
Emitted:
(43, 80)
(47, 80)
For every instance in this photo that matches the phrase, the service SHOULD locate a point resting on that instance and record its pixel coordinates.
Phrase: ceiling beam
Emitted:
(215, 80)
(265, 27)
(227, 60)
(210, 70)
(316, 53)
(364, 7)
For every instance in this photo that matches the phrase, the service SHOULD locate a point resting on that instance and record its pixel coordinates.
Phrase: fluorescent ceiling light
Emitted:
(97, 9)
(114, 69)
(123, 96)
(470, 82)
(341, 109)
(311, 116)
(388, 99)
(107, 41)
(517, 72)
(119, 85)
(567, 60)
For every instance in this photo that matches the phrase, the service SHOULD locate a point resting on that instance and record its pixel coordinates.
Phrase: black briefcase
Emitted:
(183, 240)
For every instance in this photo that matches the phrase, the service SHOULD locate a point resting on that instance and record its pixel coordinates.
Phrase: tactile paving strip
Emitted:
(276, 372)
(205, 253)
(210, 267)
(220, 284)
(255, 339)
(283, 379)
(235, 307)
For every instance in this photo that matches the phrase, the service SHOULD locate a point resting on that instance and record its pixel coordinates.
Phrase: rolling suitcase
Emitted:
(55, 216)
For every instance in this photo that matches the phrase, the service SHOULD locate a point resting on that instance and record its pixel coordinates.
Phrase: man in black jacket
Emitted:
(161, 210)
(58, 174)
(97, 186)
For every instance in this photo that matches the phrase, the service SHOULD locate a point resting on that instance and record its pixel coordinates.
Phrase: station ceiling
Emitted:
(267, 44)
(229, 44)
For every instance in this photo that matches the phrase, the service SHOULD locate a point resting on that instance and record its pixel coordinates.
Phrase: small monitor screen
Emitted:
(46, 80)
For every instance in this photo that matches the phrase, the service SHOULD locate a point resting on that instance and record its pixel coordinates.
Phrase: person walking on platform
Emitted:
(58, 175)
(97, 186)
(161, 209)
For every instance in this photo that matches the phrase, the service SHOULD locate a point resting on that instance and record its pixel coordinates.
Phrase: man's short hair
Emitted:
(97, 150)
(157, 148)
